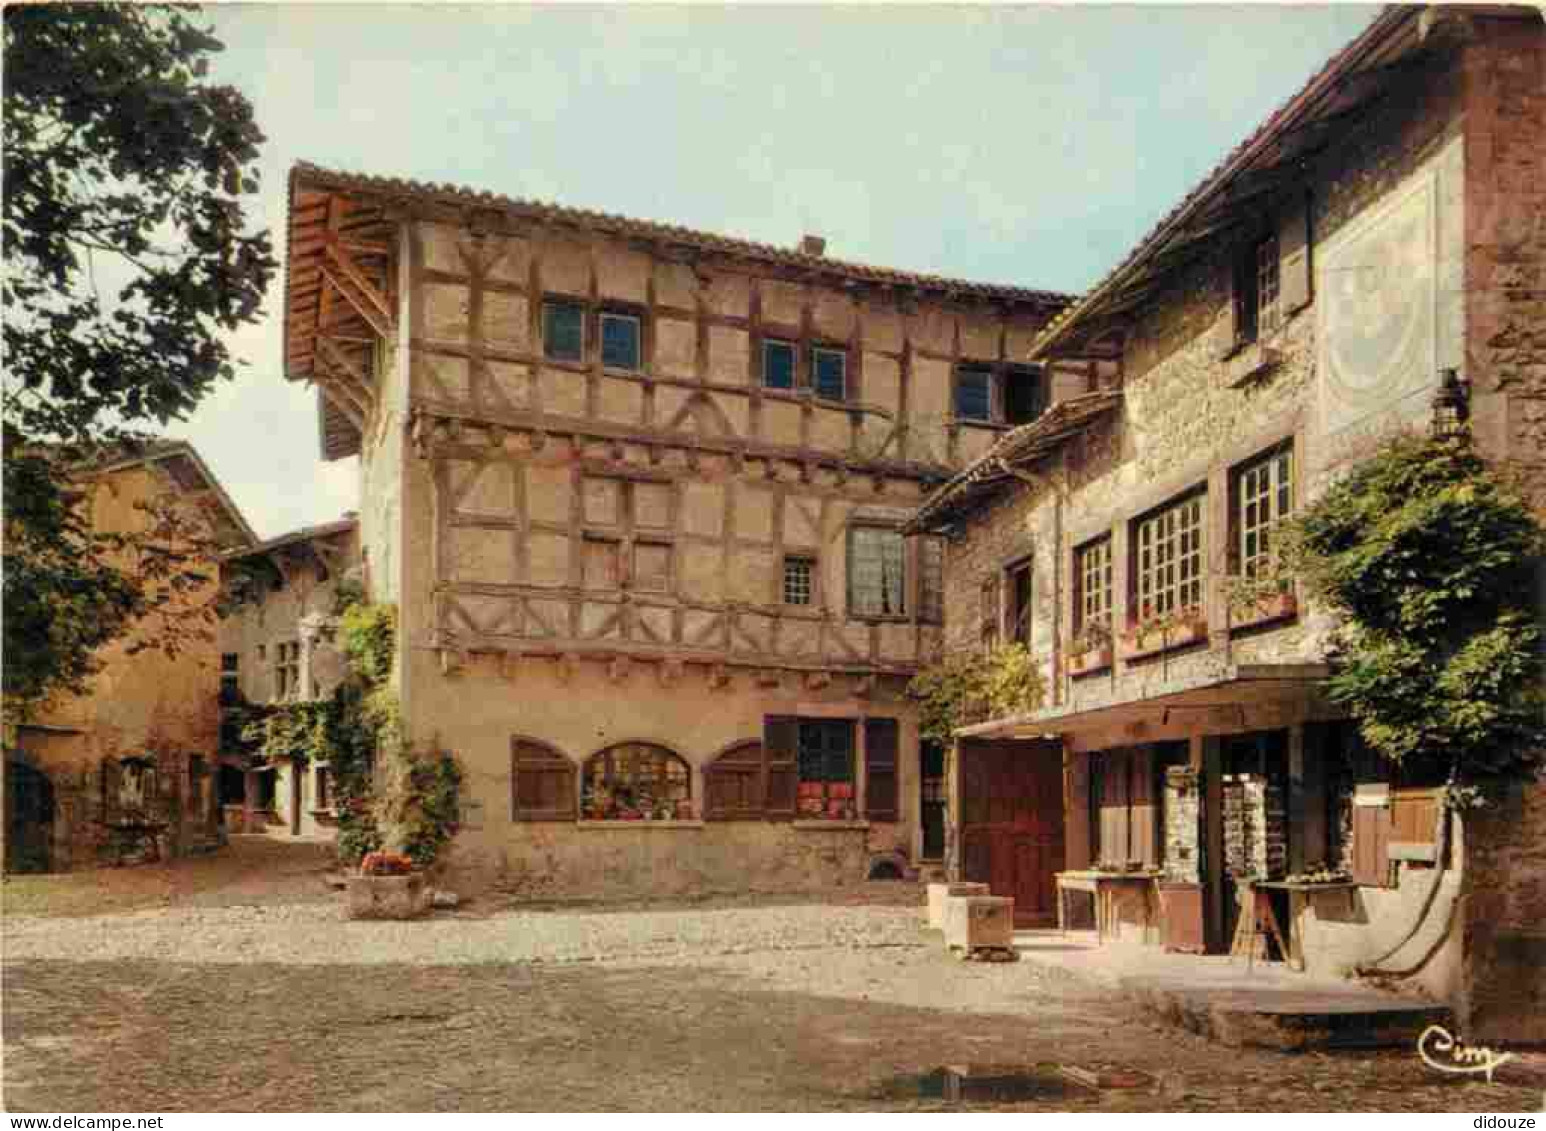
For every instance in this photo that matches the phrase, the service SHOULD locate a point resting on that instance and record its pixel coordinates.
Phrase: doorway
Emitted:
(932, 802)
(29, 818)
(1012, 823)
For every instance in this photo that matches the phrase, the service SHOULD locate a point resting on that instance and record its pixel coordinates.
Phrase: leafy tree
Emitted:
(1429, 557)
(126, 260)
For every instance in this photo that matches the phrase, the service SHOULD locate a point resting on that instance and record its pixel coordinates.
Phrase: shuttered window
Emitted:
(1127, 800)
(781, 741)
(1371, 843)
(733, 783)
(542, 783)
(881, 740)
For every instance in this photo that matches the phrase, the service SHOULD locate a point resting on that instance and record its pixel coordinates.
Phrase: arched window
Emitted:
(733, 783)
(541, 782)
(637, 781)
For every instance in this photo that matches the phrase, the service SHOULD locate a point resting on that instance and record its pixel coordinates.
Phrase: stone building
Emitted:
(276, 646)
(637, 493)
(1384, 226)
(125, 771)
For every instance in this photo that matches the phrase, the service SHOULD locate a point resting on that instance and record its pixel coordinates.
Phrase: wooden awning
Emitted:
(1231, 698)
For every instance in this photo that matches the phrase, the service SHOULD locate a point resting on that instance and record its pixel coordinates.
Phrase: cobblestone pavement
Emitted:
(733, 1005)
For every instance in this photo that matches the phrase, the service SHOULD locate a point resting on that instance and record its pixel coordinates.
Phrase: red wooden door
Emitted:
(1012, 823)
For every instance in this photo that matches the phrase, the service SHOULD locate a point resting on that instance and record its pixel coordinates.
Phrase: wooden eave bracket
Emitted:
(366, 299)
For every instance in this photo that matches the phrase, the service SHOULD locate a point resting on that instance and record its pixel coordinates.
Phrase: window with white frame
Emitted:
(1264, 495)
(1092, 575)
(1168, 553)
(799, 579)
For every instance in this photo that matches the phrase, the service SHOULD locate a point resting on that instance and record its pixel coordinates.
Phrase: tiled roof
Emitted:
(1389, 20)
(304, 534)
(315, 176)
(1018, 447)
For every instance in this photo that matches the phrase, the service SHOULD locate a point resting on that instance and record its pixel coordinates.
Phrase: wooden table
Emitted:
(1105, 887)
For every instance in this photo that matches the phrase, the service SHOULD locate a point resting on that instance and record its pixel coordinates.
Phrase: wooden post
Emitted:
(1212, 750)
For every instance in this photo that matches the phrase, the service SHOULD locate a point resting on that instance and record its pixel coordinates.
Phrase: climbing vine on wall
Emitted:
(1430, 557)
(410, 802)
(968, 687)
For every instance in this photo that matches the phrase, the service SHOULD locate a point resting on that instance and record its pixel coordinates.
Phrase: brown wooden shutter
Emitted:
(1371, 838)
(1143, 824)
(542, 784)
(781, 742)
(1294, 286)
(1076, 817)
(732, 784)
(880, 769)
(1114, 843)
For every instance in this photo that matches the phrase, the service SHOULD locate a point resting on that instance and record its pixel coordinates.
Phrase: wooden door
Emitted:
(1012, 823)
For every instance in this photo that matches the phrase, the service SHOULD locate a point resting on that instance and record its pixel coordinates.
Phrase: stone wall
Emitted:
(1182, 858)
(1255, 834)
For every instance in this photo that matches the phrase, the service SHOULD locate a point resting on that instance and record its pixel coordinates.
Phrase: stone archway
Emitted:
(29, 818)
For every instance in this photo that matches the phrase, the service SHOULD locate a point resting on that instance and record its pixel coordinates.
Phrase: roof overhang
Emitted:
(1229, 698)
(1002, 464)
(1381, 63)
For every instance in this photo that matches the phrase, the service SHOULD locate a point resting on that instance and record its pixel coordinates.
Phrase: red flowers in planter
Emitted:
(385, 864)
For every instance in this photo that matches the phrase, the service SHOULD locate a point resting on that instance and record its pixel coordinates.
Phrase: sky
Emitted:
(1031, 145)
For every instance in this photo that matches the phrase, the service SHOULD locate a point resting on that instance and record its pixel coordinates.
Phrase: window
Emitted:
(620, 340)
(1264, 493)
(1267, 285)
(777, 365)
(1004, 394)
(1169, 558)
(541, 783)
(987, 614)
(1256, 291)
(1025, 393)
(230, 679)
(830, 374)
(1020, 603)
(799, 580)
(563, 330)
(636, 781)
(1092, 576)
(876, 572)
(974, 393)
(826, 764)
(931, 580)
(734, 786)
(287, 670)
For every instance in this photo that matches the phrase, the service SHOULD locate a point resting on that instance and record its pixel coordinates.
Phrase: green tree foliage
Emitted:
(127, 258)
(1430, 558)
(967, 686)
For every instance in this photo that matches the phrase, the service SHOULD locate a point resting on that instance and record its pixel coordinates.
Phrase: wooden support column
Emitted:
(1209, 752)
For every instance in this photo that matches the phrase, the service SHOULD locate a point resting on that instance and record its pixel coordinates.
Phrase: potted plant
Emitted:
(1261, 597)
(1153, 632)
(388, 887)
(1090, 649)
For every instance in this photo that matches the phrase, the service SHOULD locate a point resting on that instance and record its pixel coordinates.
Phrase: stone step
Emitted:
(1285, 1019)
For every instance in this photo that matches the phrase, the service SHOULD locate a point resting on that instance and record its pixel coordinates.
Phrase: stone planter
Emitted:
(938, 893)
(1090, 661)
(389, 897)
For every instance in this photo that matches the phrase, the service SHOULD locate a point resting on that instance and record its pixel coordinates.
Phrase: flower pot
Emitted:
(1147, 639)
(1090, 660)
(1264, 610)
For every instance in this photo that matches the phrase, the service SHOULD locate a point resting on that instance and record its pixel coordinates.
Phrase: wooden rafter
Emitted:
(339, 394)
(345, 367)
(369, 301)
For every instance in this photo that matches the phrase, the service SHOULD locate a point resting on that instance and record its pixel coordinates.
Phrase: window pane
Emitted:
(1170, 559)
(974, 399)
(831, 378)
(619, 341)
(931, 582)
(777, 365)
(797, 580)
(876, 572)
(563, 331)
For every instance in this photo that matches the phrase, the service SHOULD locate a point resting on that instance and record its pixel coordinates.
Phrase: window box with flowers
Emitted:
(1261, 600)
(1090, 650)
(1152, 633)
